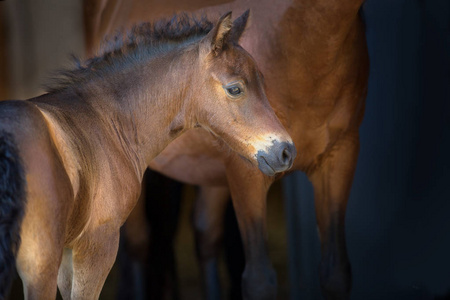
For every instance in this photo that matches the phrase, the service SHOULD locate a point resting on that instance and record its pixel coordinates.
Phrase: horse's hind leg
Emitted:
(38, 270)
(42, 234)
(332, 182)
(208, 215)
(92, 259)
(39, 254)
(39, 273)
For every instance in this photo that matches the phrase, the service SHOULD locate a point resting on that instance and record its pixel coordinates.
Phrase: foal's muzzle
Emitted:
(278, 158)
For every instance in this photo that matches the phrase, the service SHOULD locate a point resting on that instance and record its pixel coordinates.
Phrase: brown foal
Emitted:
(74, 158)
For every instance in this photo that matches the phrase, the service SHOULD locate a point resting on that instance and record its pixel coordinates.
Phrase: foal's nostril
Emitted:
(286, 157)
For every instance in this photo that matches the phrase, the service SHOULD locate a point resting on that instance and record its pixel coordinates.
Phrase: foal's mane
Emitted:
(131, 46)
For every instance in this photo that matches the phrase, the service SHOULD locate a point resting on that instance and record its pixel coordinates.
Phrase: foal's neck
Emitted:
(145, 102)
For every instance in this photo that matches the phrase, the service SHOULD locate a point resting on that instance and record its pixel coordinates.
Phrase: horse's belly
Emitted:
(193, 158)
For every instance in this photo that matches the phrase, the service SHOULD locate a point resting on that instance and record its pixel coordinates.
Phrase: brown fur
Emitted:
(86, 145)
(314, 58)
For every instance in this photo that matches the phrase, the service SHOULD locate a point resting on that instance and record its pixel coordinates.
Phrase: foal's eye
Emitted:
(234, 89)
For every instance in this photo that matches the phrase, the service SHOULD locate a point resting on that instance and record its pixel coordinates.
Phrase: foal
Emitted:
(72, 160)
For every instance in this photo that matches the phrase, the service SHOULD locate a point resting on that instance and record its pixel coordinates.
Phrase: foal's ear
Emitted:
(239, 26)
(216, 37)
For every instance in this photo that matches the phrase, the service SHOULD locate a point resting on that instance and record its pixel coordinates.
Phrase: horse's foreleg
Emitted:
(208, 215)
(248, 187)
(332, 182)
(92, 259)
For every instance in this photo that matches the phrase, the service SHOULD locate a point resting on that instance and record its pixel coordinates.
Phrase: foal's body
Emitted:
(77, 196)
(85, 146)
(314, 59)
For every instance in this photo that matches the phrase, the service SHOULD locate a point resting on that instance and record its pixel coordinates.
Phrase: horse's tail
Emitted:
(12, 205)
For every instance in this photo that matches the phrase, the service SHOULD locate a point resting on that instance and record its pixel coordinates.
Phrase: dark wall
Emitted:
(398, 217)
(36, 38)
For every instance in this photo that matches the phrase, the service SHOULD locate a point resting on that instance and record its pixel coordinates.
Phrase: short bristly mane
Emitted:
(124, 48)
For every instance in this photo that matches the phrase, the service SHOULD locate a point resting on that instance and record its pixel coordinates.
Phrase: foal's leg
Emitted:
(93, 257)
(248, 187)
(43, 227)
(208, 215)
(38, 258)
(332, 182)
(65, 274)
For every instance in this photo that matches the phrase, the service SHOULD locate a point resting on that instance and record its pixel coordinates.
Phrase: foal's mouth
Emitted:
(277, 158)
(265, 167)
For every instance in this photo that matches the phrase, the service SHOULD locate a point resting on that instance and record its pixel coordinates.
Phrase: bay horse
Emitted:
(314, 58)
(72, 160)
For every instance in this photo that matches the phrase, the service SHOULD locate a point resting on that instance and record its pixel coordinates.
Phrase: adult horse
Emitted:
(314, 58)
(72, 160)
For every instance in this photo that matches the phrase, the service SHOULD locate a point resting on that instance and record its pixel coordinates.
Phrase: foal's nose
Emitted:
(278, 158)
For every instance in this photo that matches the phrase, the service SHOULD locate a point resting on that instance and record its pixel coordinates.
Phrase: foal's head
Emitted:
(231, 102)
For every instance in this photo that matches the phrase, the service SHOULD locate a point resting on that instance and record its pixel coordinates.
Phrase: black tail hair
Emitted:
(12, 204)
